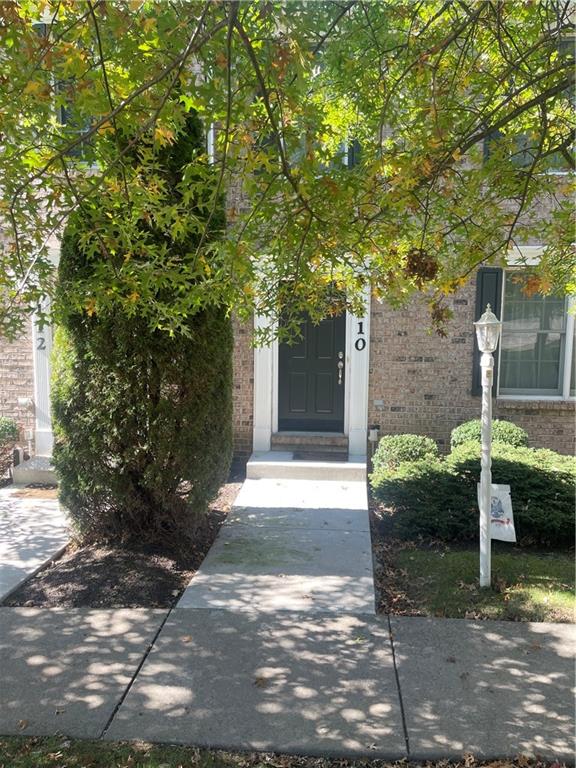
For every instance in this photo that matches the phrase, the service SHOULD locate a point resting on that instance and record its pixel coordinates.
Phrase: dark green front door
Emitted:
(311, 378)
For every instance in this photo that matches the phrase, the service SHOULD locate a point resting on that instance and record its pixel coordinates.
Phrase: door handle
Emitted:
(340, 367)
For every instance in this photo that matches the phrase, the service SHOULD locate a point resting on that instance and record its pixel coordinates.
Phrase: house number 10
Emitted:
(360, 343)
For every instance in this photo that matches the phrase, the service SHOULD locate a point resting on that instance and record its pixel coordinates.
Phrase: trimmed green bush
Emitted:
(8, 429)
(394, 449)
(142, 419)
(8, 436)
(502, 432)
(438, 499)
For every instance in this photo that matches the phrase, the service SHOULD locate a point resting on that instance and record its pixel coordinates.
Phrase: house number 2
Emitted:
(360, 342)
(41, 343)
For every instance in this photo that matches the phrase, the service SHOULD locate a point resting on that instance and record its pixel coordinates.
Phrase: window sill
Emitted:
(536, 404)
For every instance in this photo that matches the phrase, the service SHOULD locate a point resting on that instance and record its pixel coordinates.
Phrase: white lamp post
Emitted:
(487, 333)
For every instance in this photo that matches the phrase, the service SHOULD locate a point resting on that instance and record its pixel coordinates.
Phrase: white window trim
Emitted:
(529, 255)
(211, 143)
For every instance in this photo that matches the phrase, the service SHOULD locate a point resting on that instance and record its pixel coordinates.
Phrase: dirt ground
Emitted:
(113, 577)
(390, 597)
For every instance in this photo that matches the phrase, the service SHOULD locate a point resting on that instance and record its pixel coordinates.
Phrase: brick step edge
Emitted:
(288, 442)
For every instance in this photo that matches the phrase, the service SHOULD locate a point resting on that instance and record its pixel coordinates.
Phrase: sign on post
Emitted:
(501, 514)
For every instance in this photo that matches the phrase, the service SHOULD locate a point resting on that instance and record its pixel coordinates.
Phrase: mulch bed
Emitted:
(114, 577)
(389, 580)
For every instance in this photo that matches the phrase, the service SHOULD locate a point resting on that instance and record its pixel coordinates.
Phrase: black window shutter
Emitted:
(353, 153)
(488, 291)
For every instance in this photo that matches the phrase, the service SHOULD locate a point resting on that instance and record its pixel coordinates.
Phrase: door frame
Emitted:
(355, 385)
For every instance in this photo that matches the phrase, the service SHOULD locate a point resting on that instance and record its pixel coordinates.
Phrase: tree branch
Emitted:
(287, 172)
(108, 93)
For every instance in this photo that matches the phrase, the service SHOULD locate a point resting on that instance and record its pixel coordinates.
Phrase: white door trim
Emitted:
(355, 383)
(357, 367)
(42, 345)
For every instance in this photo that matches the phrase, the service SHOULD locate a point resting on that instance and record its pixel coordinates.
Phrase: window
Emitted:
(521, 152)
(70, 125)
(537, 344)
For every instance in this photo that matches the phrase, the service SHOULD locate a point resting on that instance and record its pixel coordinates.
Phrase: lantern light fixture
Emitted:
(488, 331)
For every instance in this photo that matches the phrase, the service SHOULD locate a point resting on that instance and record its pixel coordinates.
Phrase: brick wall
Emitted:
(243, 389)
(17, 380)
(421, 383)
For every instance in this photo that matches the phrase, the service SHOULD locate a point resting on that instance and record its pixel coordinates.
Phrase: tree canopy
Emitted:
(396, 143)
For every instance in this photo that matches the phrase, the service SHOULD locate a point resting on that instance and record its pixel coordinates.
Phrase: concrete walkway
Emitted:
(275, 646)
(33, 529)
(290, 545)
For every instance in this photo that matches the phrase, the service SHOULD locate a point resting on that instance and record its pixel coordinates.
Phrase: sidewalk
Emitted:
(275, 646)
(33, 529)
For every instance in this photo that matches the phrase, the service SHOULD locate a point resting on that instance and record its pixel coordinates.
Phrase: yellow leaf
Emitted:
(90, 307)
(426, 167)
(34, 87)
(163, 135)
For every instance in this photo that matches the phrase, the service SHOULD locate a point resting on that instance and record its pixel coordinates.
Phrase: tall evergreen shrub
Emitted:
(142, 419)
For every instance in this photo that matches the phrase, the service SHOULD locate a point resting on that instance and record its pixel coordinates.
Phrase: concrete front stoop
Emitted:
(282, 465)
(36, 470)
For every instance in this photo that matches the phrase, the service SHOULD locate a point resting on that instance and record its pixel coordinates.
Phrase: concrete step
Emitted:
(306, 496)
(38, 469)
(283, 465)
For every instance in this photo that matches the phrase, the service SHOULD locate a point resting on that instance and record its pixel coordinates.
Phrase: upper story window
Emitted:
(537, 343)
(521, 152)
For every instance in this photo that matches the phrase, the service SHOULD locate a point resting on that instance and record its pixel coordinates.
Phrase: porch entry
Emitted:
(311, 378)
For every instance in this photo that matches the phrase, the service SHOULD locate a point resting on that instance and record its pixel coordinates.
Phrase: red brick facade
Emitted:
(418, 381)
(243, 394)
(17, 381)
(421, 383)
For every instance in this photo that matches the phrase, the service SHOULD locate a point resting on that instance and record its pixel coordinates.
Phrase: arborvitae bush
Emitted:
(142, 419)
(502, 432)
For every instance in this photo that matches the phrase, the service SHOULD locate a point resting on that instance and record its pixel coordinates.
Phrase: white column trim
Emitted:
(568, 346)
(263, 391)
(41, 352)
(275, 369)
(358, 367)
(42, 346)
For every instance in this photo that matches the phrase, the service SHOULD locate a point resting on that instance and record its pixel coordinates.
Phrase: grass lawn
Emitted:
(527, 586)
(59, 752)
